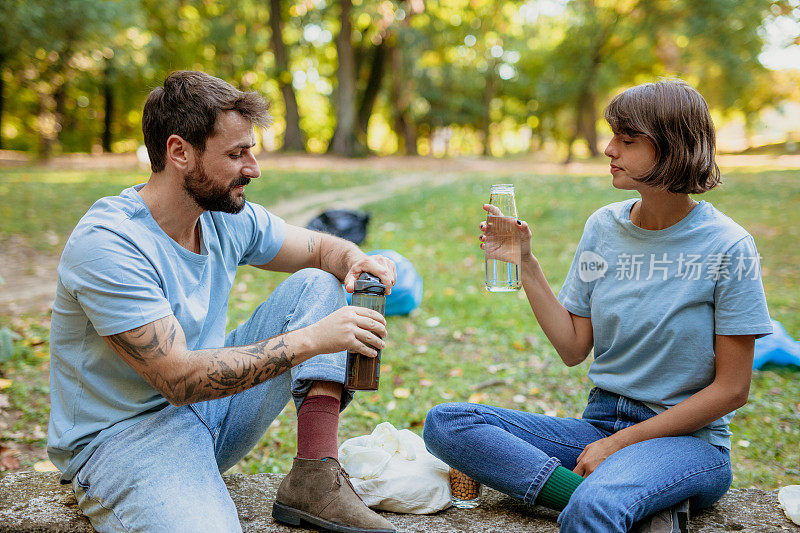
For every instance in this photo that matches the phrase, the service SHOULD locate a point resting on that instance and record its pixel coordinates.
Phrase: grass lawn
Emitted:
(462, 344)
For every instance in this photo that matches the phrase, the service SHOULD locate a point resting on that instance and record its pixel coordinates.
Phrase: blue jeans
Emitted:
(515, 452)
(164, 473)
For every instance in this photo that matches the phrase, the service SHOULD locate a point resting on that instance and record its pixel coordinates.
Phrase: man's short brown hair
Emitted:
(675, 118)
(187, 105)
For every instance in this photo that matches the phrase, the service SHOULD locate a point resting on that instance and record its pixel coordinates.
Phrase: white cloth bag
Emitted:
(789, 500)
(392, 471)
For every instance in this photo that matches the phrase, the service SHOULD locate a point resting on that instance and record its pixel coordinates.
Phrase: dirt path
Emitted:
(30, 276)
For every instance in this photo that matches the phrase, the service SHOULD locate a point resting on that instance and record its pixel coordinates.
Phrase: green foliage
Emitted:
(470, 64)
(7, 338)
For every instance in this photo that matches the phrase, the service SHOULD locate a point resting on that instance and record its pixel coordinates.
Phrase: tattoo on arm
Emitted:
(157, 351)
(146, 343)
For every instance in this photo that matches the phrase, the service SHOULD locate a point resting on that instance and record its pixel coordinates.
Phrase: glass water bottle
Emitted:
(502, 245)
(363, 372)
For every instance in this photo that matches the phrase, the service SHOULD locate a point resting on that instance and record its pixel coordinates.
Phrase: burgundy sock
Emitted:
(318, 428)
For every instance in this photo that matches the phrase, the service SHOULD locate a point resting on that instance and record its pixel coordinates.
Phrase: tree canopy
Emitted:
(350, 76)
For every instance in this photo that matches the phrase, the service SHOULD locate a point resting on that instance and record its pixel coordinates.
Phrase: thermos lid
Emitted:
(370, 284)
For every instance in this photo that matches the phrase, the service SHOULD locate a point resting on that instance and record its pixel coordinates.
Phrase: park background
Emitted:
(408, 110)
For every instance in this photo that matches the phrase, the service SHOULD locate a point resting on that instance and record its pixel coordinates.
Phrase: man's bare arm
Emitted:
(157, 351)
(303, 248)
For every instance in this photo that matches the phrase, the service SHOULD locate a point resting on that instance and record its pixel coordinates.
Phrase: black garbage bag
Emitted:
(350, 225)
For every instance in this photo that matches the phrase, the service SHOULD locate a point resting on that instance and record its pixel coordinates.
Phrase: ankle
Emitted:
(318, 427)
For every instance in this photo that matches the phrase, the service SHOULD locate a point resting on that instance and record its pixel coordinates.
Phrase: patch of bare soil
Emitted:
(30, 275)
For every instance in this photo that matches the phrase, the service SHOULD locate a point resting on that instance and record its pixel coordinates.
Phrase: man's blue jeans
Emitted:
(515, 452)
(164, 473)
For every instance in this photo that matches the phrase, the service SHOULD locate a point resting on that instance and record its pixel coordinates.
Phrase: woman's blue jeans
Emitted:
(515, 452)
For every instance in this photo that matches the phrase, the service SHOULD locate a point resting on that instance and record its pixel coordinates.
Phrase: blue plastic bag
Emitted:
(778, 348)
(407, 291)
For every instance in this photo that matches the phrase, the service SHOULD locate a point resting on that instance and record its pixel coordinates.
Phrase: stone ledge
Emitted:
(36, 502)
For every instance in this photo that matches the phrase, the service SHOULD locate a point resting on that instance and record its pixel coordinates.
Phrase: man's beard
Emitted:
(211, 196)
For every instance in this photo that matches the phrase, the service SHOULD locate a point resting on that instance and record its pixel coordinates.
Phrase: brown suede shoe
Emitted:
(319, 493)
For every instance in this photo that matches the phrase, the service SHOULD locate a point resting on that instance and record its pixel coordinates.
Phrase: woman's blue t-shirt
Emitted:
(657, 298)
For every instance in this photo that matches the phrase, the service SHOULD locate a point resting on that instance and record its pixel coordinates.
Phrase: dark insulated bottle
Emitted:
(363, 371)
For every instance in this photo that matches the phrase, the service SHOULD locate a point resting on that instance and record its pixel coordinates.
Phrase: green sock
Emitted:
(558, 488)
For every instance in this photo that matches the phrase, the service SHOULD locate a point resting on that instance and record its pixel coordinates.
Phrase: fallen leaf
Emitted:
(9, 462)
(5, 383)
(45, 466)
(8, 459)
(433, 321)
(478, 397)
(401, 393)
(425, 383)
(456, 372)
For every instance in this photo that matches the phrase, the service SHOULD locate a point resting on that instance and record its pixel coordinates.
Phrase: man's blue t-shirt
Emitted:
(119, 271)
(657, 298)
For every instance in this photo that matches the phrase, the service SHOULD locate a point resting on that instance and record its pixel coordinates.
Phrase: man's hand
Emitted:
(356, 329)
(377, 265)
(594, 454)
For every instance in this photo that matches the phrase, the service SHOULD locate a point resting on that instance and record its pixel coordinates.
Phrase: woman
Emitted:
(668, 293)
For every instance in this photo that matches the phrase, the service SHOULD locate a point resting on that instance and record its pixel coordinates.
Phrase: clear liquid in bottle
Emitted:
(502, 244)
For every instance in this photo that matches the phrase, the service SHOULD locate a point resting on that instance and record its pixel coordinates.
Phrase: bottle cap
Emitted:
(369, 284)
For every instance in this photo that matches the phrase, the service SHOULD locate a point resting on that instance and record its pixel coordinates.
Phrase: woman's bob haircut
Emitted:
(673, 116)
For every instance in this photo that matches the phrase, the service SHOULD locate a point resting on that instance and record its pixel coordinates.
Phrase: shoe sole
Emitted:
(682, 516)
(295, 517)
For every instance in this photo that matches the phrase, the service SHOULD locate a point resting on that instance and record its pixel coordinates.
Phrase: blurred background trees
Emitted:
(352, 77)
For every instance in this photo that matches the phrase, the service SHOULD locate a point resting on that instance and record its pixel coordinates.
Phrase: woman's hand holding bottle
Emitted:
(505, 238)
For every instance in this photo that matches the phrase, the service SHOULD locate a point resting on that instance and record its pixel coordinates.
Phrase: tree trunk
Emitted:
(373, 87)
(108, 97)
(402, 91)
(570, 143)
(488, 96)
(46, 126)
(587, 124)
(344, 141)
(403, 126)
(293, 136)
(2, 101)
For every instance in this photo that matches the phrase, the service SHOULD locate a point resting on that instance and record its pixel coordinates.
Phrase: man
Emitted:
(150, 400)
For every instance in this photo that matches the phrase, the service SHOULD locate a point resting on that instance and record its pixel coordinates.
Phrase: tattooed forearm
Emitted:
(238, 368)
(157, 351)
(151, 341)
